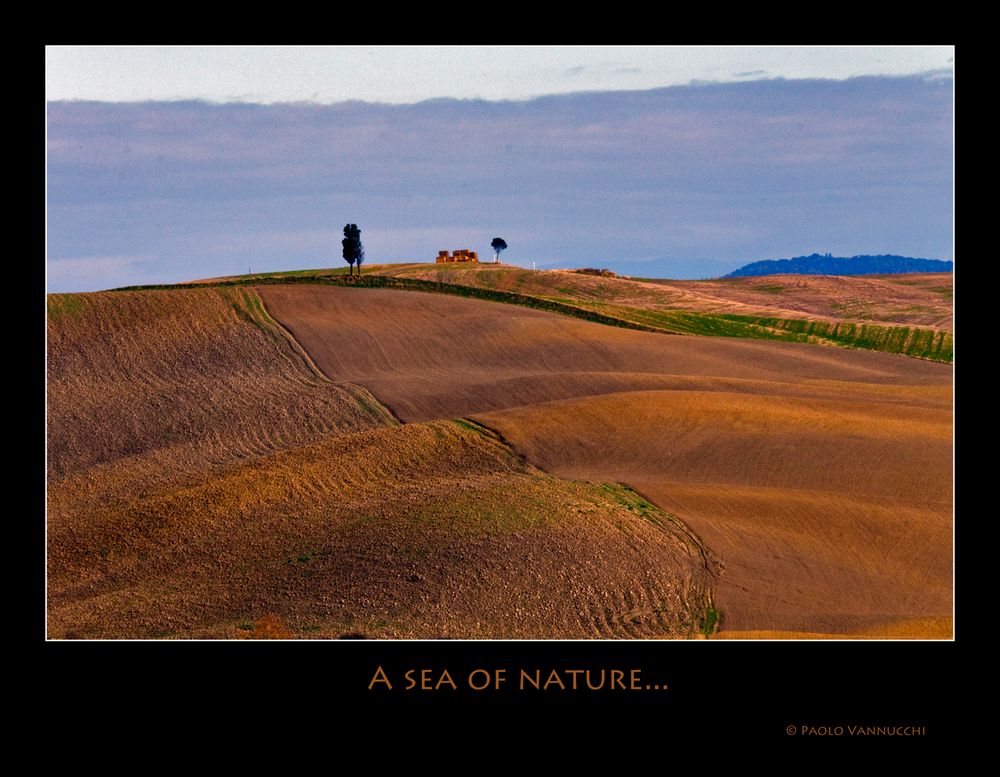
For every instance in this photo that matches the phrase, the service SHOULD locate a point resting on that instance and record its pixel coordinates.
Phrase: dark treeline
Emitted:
(825, 264)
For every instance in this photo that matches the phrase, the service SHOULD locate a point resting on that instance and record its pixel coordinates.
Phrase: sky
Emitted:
(169, 164)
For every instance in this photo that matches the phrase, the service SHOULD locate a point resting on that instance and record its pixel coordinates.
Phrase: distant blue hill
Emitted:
(818, 264)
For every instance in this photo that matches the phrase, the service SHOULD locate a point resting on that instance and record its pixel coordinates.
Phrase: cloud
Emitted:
(737, 169)
(751, 74)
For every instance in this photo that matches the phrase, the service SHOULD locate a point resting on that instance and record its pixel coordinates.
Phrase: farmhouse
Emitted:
(461, 255)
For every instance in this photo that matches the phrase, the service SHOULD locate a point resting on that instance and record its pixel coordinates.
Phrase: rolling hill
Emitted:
(205, 480)
(287, 454)
(808, 471)
(909, 314)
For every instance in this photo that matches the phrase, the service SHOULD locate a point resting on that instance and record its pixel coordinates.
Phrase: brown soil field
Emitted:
(423, 531)
(435, 356)
(829, 515)
(923, 299)
(199, 371)
(206, 480)
(820, 478)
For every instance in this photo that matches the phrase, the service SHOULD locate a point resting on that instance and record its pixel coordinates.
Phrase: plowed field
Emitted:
(820, 478)
(923, 299)
(206, 480)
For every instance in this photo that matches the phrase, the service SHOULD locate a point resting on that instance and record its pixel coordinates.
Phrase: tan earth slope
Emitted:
(821, 478)
(921, 299)
(206, 480)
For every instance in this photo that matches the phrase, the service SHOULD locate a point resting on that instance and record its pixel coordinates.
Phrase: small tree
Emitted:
(353, 250)
(498, 245)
